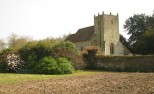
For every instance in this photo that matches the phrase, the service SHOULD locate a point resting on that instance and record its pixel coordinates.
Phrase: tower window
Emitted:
(111, 48)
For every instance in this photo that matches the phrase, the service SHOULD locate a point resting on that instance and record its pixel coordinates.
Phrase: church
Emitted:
(104, 34)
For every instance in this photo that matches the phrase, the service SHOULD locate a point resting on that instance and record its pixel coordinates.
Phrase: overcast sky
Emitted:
(53, 18)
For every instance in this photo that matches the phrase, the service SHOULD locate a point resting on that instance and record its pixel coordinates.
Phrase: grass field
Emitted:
(8, 78)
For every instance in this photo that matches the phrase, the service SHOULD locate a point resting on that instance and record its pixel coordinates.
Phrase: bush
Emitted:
(51, 65)
(47, 65)
(34, 51)
(33, 54)
(64, 66)
(69, 50)
(2, 67)
(65, 46)
(27, 50)
(32, 61)
(10, 62)
(14, 63)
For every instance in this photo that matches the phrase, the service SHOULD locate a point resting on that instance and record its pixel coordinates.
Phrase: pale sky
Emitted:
(40, 19)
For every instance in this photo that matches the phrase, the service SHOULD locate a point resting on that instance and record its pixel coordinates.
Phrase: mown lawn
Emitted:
(8, 78)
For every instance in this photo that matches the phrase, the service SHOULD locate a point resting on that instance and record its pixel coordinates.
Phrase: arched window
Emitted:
(111, 48)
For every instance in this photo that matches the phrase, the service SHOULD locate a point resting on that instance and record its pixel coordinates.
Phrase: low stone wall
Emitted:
(125, 63)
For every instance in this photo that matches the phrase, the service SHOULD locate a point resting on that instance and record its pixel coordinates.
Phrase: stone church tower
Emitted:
(106, 28)
(104, 34)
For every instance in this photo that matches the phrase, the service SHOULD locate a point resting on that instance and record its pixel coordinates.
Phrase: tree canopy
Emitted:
(140, 27)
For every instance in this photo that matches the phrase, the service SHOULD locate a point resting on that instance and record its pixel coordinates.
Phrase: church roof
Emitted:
(71, 38)
(82, 34)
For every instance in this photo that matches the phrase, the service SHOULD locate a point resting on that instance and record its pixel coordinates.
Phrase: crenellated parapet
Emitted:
(102, 14)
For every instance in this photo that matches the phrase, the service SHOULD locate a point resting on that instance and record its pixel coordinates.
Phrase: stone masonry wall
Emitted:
(125, 63)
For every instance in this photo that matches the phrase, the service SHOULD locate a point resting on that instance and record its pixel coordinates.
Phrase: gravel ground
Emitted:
(99, 83)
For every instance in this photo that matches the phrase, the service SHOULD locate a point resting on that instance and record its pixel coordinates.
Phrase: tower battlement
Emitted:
(102, 14)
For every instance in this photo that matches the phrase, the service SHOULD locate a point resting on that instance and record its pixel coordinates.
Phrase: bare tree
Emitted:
(16, 41)
(12, 40)
(2, 44)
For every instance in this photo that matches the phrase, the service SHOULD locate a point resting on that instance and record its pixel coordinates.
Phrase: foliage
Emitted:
(47, 65)
(27, 53)
(2, 65)
(10, 62)
(33, 52)
(140, 28)
(14, 63)
(50, 65)
(145, 45)
(64, 66)
(2, 44)
(16, 42)
(11, 40)
(64, 46)
(69, 50)
(3, 59)
(135, 26)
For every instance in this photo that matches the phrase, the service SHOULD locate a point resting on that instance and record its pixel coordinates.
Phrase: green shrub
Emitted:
(64, 46)
(64, 66)
(2, 64)
(47, 65)
(69, 50)
(50, 65)
(28, 50)
(34, 51)
(32, 61)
